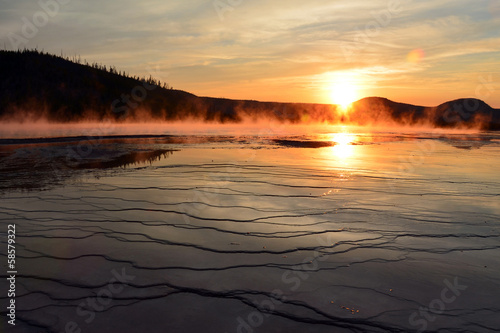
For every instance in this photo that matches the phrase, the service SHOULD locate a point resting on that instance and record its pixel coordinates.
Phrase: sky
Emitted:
(318, 51)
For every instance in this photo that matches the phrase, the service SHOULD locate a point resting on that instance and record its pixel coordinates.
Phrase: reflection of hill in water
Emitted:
(37, 167)
(468, 142)
(303, 143)
(459, 141)
(130, 158)
(34, 164)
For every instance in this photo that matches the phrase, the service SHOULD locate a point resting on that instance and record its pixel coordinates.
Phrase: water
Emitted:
(342, 231)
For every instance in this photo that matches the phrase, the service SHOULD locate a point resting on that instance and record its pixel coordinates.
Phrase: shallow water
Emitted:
(341, 231)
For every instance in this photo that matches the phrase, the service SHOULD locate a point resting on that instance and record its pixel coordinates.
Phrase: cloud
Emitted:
(261, 45)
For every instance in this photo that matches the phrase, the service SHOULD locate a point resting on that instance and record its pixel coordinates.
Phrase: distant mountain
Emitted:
(35, 85)
(460, 113)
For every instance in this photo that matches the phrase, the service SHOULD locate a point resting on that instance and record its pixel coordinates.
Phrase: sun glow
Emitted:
(344, 90)
(343, 94)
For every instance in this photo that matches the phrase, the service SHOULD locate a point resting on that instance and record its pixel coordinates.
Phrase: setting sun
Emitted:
(343, 94)
(344, 88)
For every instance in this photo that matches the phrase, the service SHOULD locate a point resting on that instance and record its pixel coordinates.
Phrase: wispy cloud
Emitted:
(280, 50)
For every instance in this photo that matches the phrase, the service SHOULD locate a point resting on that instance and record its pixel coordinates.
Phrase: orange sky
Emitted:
(421, 52)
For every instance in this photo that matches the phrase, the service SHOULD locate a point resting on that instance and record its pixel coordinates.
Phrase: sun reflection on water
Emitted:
(344, 148)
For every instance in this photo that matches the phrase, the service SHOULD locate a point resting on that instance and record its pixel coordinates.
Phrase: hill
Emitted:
(35, 85)
(460, 113)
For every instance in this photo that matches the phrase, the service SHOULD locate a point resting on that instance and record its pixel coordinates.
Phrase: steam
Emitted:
(217, 116)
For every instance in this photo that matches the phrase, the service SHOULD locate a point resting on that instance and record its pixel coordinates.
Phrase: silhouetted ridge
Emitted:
(470, 110)
(36, 85)
(379, 109)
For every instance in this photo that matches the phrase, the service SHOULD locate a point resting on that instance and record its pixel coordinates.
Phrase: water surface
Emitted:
(336, 231)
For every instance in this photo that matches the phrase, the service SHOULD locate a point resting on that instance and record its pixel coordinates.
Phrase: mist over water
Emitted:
(44, 129)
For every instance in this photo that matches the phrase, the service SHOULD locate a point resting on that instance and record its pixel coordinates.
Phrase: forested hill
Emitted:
(36, 85)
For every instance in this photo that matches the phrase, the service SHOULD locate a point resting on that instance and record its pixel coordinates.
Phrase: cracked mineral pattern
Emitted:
(378, 233)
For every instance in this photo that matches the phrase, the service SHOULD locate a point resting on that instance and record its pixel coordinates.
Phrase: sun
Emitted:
(343, 93)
